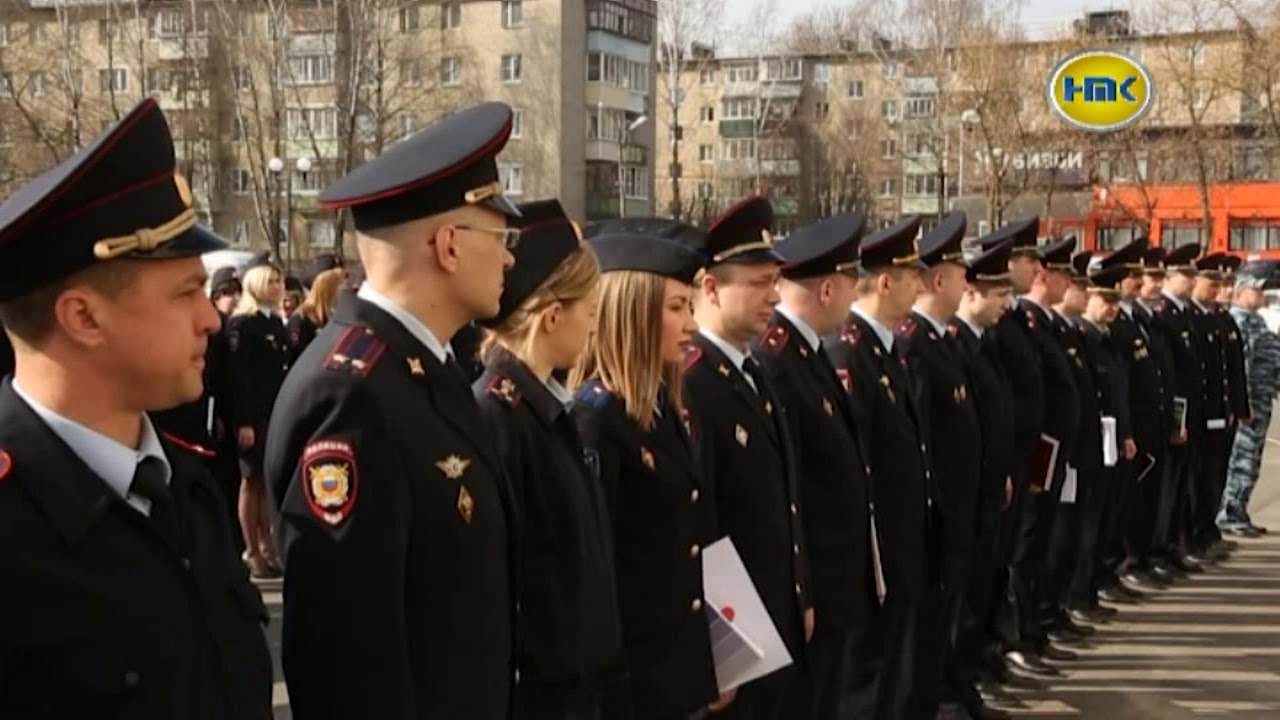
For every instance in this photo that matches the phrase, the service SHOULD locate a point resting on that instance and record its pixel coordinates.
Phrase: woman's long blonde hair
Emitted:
(625, 352)
(323, 297)
(575, 279)
(255, 285)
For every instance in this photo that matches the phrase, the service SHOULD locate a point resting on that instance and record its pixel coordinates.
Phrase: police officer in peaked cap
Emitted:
(127, 598)
(395, 522)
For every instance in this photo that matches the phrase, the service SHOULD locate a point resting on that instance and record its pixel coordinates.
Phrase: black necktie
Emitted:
(753, 371)
(452, 363)
(148, 482)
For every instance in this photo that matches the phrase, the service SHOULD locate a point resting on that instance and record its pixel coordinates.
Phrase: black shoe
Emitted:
(1084, 630)
(1114, 595)
(1166, 570)
(1258, 529)
(1064, 636)
(1199, 559)
(1187, 564)
(1143, 581)
(1031, 664)
(1224, 545)
(980, 710)
(1087, 616)
(1058, 654)
(1126, 590)
(994, 696)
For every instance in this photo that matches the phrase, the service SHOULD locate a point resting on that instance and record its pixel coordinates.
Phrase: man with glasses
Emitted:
(394, 519)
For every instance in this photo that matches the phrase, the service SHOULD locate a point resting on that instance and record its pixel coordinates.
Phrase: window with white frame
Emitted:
(517, 123)
(38, 32)
(242, 77)
(451, 70)
(6, 85)
(241, 181)
(168, 23)
(238, 133)
(855, 89)
(707, 76)
(889, 187)
(410, 73)
(408, 125)
(4, 34)
(739, 109)
(888, 148)
(6, 136)
(922, 184)
(512, 176)
(410, 17)
(705, 191)
(310, 70)
(822, 73)
(738, 149)
(821, 109)
(305, 123)
(742, 73)
(240, 234)
(113, 80)
(37, 84)
(512, 13)
(919, 144)
(889, 109)
(512, 68)
(1195, 53)
(920, 106)
(157, 80)
(706, 153)
(635, 182)
(366, 129)
(707, 114)
(310, 182)
(322, 233)
(450, 14)
(784, 69)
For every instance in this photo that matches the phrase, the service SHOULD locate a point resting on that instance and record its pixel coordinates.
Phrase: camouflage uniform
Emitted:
(1262, 365)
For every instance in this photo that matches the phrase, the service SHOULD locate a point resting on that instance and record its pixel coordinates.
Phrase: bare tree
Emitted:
(686, 33)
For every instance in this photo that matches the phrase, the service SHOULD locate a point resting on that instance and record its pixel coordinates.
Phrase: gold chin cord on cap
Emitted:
(765, 243)
(913, 257)
(482, 193)
(145, 239)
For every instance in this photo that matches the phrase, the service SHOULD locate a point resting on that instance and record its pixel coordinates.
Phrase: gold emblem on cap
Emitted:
(184, 190)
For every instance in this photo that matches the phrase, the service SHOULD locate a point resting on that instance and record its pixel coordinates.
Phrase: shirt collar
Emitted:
(1178, 302)
(976, 330)
(811, 337)
(560, 393)
(112, 461)
(1048, 312)
(1200, 306)
(736, 356)
(937, 326)
(415, 326)
(882, 332)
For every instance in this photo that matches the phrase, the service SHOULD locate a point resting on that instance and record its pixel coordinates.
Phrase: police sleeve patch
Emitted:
(330, 480)
(504, 389)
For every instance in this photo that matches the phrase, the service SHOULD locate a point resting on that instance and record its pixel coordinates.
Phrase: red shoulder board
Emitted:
(952, 330)
(776, 338)
(357, 351)
(691, 357)
(330, 480)
(6, 464)
(907, 327)
(850, 333)
(504, 388)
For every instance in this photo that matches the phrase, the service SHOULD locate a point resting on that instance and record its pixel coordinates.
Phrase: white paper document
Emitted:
(744, 641)
(1069, 480)
(1110, 451)
(1216, 424)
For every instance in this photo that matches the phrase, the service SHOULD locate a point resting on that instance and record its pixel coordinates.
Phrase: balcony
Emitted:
(739, 128)
(780, 168)
(603, 207)
(741, 89)
(188, 48)
(635, 155)
(781, 91)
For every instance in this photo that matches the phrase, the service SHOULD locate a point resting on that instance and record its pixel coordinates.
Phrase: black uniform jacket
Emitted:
(395, 524)
(834, 486)
(1207, 334)
(1233, 356)
(1174, 324)
(260, 356)
(889, 430)
(1061, 396)
(662, 517)
(104, 617)
(6, 353)
(302, 330)
(995, 404)
(1149, 415)
(1091, 363)
(949, 418)
(1162, 354)
(569, 633)
(749, 465)
(1020, 358)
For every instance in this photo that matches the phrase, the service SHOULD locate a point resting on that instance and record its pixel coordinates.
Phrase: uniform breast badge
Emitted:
(646, 458)
(740, 434)
(826, 407)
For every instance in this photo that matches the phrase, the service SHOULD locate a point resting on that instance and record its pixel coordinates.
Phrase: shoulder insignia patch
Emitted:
(1031, 319)
(850, 333)
(330, 480)
(776, 338)
(357, 351)
(504, 388)
(692, 357)
(592, 394)
(6, 464)
(906, 328)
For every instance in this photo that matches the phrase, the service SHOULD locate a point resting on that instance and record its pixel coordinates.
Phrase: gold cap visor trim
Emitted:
(145, 239)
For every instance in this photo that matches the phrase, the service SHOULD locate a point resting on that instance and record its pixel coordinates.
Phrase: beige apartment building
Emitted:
(272, 99)
(896, 130)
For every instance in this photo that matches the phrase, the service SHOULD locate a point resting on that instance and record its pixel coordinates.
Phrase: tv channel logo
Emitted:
(1100, 90)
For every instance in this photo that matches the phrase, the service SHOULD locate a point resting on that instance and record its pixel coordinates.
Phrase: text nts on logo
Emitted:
(1100, 90)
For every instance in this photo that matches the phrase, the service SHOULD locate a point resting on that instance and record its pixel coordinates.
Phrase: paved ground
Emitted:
(1209, 646)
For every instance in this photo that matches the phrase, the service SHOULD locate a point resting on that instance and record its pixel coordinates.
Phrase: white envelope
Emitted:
(726, 584)
(1110, 451)
(1069, 481)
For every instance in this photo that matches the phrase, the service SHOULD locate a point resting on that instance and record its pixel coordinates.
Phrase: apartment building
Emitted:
(271, 100)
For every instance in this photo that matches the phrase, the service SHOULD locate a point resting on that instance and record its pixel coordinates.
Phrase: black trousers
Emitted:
(1035, 527)
(987, 597)
(959, 554)
(1064, 547)
(816, 691)
(762, 699)
(1117, 486)
(581, 703)
(1170, 518)
(1092, 504)
(1142, 504)
(1211, 482)
(893, 672)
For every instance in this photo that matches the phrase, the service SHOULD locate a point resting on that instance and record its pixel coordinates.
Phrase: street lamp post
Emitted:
(276, 165)
(968, 119)
(626, 141)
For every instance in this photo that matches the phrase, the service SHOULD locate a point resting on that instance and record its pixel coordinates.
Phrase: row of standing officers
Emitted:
(911, 464)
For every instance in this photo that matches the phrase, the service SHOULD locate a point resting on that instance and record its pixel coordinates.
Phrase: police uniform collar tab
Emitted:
(807, 332)
(416, 327)
(735, 356)
(449, 165)
(548, 399)
(743, 234)
(118, 197)
(883, 333)
(939, 327)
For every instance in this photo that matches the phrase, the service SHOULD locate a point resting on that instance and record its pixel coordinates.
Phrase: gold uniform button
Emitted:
(694, 551)
(796, 548)
(799, 590)
(696, 605)
(794, 510)
(693, 496)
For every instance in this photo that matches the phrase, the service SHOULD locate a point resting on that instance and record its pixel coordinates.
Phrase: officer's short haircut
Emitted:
(31, 317)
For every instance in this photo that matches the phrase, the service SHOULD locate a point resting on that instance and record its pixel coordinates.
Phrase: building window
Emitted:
(37, 31)
(113, 80)
(410, 73)
(635, 182)
(889, 68)
(1110, 238)
(450, 14)
(706, 153)
(408, 124)
(707, 76)
(512, 70)
(410, 17)
(238, 133)
(821, 110)
(855, 89)
(157, 80)
(889, 148)
(37, 84)
(627, 18)
(512, 177)
(1195, 53)
(1174, 235)
(4, 34)
(738, 149)
(167, 24)
(241, 181)
(705, 191)
(322, 233)
(739, 109)
(1250, 235)
(707, 114)
(512, 13)
(889, 109)
(517, 123)
(742, 73)
(784, 69)
(305, 123)
(889, 187)
(922, 184)
(240, 234)
(919, 144)
(451, 70)
(310, 70)
(242, 77)
(6, 86)
(822, 73)
(920, 106)
(1251, 164)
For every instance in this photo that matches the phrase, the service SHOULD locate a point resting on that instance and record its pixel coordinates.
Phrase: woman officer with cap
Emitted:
(569, 633)
(629, 412)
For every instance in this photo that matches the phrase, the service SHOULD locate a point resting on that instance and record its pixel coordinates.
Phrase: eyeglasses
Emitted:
(510, 236)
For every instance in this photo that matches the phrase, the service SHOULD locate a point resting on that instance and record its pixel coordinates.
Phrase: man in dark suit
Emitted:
(128, 599)
(904, 684)
(1203, 538)
(818, 284)
(395, 520)
(740, 427)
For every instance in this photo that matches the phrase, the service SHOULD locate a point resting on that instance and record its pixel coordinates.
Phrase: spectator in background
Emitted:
(314, 312)
(293, 294)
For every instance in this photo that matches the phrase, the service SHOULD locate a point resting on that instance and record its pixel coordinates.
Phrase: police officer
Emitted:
(745, 443)
(819, 282)
(949, 419)
(127, 599)
(394, 517)
(1203, 537)
(898, 661)
(1262, 358)
(569, 637)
